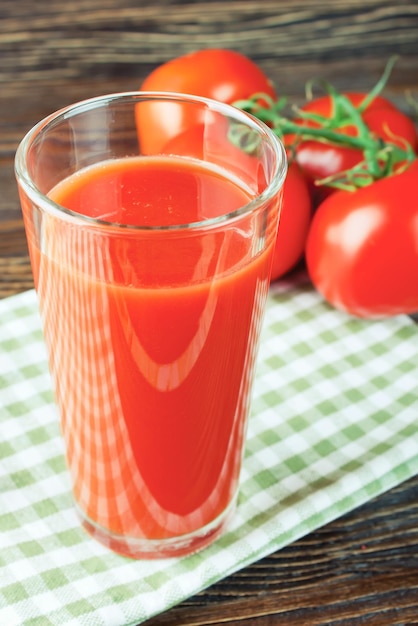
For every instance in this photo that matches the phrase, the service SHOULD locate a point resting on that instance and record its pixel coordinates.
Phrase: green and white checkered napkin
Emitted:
(334, 423)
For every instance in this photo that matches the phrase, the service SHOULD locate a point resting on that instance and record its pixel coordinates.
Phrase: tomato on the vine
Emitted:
(226, 76)
(362, 247)
(296, 209)
(294, 223)
(222, 75)
(320, 159)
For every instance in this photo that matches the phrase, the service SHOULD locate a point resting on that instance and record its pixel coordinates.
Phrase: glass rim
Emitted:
(44, 202)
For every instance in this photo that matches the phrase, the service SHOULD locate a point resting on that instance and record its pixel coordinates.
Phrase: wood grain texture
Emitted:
(100, 37)
(361, 569)
(15, 270)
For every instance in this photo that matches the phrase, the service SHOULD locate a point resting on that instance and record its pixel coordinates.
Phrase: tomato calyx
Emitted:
(344, 127)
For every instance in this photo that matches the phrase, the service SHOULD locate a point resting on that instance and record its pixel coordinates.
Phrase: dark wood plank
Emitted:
(71, 40)
(360, 569)
(15, 270)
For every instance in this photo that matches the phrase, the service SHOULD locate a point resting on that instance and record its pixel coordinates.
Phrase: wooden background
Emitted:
(363, 568)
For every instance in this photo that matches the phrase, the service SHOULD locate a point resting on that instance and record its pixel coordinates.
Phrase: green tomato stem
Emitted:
(380, 157)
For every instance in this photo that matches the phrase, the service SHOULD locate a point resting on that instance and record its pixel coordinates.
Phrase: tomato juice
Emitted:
(152, 335)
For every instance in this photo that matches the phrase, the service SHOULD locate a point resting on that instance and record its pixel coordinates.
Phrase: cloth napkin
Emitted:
(334, 423)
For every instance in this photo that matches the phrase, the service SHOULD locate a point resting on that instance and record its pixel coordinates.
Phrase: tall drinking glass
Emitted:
(151, 220)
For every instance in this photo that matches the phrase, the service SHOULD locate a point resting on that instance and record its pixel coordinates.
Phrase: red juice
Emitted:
(152, 335)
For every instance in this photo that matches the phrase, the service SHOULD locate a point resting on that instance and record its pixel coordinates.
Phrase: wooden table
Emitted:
(362, 568)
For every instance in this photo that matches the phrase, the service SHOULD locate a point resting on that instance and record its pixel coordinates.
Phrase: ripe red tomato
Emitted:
(211, 140)
(297, 204)
(223, 75)
(320, 160)
(226, 76)
(362, 247)
(294, 223)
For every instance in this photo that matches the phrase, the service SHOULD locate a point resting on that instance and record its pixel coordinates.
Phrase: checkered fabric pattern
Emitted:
(334, 423)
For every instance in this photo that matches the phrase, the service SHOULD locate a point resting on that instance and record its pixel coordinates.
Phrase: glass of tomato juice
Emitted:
(151, 220)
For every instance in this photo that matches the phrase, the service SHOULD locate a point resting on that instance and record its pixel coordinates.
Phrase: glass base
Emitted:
(143, 548)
